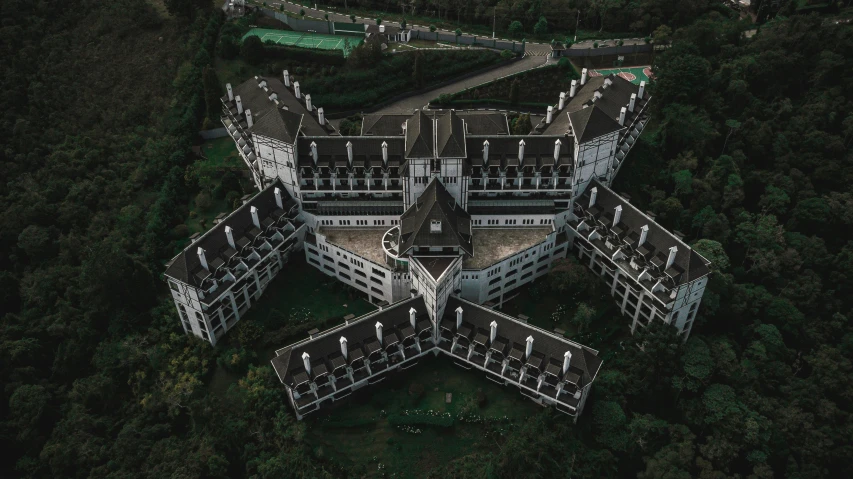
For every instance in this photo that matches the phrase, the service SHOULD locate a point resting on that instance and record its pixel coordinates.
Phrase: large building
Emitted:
(437, 217)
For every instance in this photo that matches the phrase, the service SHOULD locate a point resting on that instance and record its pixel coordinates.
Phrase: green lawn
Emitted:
(374, 441)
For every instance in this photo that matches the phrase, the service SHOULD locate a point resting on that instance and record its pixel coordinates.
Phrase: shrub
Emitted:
(541, 26)
(352, 18)
(432, 28)
(252, 50)
(202, 201)
(515, 28)
(506, 54)
(420, 418)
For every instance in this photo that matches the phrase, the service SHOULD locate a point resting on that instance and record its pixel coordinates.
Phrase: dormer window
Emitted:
(435, 226)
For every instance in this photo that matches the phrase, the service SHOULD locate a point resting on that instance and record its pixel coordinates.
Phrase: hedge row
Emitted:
(299, 54)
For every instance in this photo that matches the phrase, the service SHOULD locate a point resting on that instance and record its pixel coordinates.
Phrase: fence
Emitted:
(468, 40)
(614, 50)
(300, 25)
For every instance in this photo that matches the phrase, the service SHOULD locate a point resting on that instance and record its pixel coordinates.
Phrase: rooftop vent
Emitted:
(435, 226)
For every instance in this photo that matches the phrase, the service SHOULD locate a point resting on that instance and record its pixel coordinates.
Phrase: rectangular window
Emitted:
(343, 265)
(344, 275)
(313, 251)
(494, 281)
(542, 268)
(376, 290)
(360, 273)
(494, 291)
(527, 275)
(314, 261)
(361, 283)
(375, 280)
(378, 273)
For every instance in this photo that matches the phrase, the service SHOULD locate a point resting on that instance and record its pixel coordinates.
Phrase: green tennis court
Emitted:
(633, 74)
(306, 39)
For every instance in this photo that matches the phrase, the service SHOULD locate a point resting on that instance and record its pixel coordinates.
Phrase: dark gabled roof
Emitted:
(485, 123)
(436, 265)
(365, 150)
(279, 124)
(689, 261)
(546, 346)
(450, 136)
(435, 204)
(379, 124)
(592, 122)
(256, 98)
(186, 266)
(359, 333)
(419, 136)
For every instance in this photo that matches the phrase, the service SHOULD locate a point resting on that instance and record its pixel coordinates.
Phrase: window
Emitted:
(494, 281)
(527, 275)
(343, 265)
(542, 268)
(173, 286)
(343, 222)
(376, 290)
(376, 280)
(361, 283)
(314, 261)
(494, 291)
(329, 268)
(344, 275)
(511, 273)
(527, 266)
(544, 258)
(378, 273)
(328, 258)
(360, 273)
(509, 284)
(313, 251)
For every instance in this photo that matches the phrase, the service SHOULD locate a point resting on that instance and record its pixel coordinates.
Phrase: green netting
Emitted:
(638, 73)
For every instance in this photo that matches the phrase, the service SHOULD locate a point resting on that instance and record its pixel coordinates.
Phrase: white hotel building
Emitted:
(431, 214)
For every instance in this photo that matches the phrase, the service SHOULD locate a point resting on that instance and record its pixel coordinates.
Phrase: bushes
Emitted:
(298, 54)
(421, 418)
(253, 50)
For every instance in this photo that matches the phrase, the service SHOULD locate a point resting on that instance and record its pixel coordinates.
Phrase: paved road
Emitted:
(419, 101)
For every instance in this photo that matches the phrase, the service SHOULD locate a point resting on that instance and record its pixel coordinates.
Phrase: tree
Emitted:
(253, 50)
(514, 88)
(352, 18)
(229, 48)
(541, 26)
(515, 28)
(714, 252)
(432, 28)
(403, 24)
(418, 70)
(212, 93)
(186, 9)
(602, 7)
(522, 125)
(302, 13)
(379, 20)
(662, 35)
(583, 317)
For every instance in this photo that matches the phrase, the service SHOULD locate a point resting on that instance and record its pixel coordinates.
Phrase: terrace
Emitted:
(491, 245)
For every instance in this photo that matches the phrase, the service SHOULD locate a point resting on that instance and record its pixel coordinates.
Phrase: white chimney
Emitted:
(583, 76)
(249, 120)
(296, 91)
(592, 194)
(642, 89)
(306, 360)
(617, 214)
(343, 342)
(671, 258)
(485, 151)
(521, 150)
(277, 193)
(384, 152)
(493, 331)
(596, 95)
(314, 151)
(550, 115)
(557, 145)
(632, 102)
(262, 84)
(239, 105)
(349, 152)
(412, 315)
(202, 259)
(562, 100)
(308, 102)
(255, 220)
(229, 234)
(381, 28)
(529, 350)
(378, 327)
(622, 113)
(644, 232)
(459, 317)
(574, 89)
(567, 359)
(286, 78)
(607, 82)
(322, 116)
(274, 96)
(230, 92)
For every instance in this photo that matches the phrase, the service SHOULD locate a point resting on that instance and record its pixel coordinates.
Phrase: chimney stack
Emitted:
(202, 259)
(493, 331)
(574, 89)
(381, 28)
(592, 194)
(622, 113)
(296, 91)
(306, 360)
(596, 95)
(349, 152)
(385, 153)
(632, 103)
(255, 220)
(521, 150)
(308, 102)
(378, 327)
(485, 151)
(343, 342)
(239, 105)
(413, 316)
(583, 76)
(322, 116)
(229, 234)
(249, 121)
(286, 78)
(567, 359)
(642, 89)
(562, 103)
(644, 232)
(529, 350)
(550, 115)
(671, 258)
(557, 145)
(277, 193)
(617, 214)
(230, 92)
(274, 97)
(458, 317)
(314, 151)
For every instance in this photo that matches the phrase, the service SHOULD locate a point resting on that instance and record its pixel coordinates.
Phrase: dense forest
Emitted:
(748, 154)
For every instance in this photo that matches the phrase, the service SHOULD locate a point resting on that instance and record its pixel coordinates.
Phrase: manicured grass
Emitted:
(221, 152)
(373, 441)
